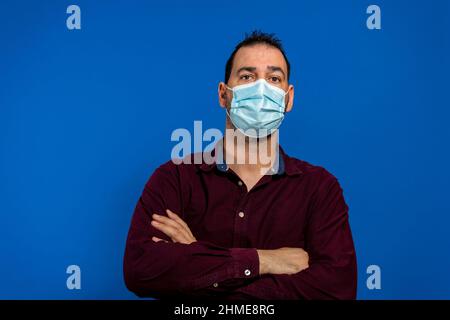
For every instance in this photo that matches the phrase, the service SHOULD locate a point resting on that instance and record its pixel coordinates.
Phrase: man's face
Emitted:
(255, 62)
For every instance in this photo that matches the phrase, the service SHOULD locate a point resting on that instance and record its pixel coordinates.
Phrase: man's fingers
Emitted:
(175, 217)
(156, 239)
(174, 227)
(173, 224)
(166, 229)
(166, 220)
(175, 234)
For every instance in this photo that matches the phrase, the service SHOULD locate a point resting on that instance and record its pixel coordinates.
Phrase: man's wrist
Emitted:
(263, 261)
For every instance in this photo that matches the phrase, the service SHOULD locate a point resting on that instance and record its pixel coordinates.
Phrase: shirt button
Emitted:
(241, 214)
(240, 183)
(247, 272)
(215, 285)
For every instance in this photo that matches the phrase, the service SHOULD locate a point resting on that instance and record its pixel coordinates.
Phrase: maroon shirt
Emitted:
(300, 206)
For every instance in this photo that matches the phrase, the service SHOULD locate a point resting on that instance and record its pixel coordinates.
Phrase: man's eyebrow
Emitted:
(275, 68)
(250, 69)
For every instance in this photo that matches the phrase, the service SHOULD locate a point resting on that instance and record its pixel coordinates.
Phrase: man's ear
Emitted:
(290, 98)
(222, 94)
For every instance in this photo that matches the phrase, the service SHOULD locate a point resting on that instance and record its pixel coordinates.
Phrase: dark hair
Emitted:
(256, 37)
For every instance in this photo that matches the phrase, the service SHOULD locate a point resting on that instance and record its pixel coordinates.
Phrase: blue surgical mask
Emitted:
(257, 108)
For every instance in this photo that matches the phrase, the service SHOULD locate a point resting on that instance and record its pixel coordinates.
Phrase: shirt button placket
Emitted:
(239, 222)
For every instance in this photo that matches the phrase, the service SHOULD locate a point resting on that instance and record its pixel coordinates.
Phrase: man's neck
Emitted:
(254, 157)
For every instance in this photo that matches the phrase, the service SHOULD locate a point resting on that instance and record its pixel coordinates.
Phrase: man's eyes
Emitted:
(246, 77)
(251, 77)
(275, 79)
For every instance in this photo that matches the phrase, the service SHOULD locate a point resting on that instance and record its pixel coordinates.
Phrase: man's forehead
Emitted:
(259, 56)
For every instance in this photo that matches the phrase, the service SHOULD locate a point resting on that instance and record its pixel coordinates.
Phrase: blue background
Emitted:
(86, 116)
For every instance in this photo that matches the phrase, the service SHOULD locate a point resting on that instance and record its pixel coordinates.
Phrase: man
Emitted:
(228, 229)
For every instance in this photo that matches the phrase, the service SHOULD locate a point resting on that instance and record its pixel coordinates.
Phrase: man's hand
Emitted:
(174, 227)
(283, 261)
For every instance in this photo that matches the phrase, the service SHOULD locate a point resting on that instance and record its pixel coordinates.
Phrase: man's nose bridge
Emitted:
(261, 85)
(260, 75)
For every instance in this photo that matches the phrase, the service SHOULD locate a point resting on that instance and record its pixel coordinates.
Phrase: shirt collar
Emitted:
(285, 165)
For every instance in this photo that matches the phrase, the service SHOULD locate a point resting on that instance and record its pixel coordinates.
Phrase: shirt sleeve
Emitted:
(160, 269)
(332, 272)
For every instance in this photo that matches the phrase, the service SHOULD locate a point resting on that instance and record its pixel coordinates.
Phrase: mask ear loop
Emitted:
(285, 104)
(226, 110)
(228, 113)
(289, 100)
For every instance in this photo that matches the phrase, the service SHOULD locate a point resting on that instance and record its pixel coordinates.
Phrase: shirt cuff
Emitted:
(241, 264)
(246, 263)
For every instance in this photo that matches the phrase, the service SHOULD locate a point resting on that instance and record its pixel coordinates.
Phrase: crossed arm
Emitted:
(164, 259)
(278, 261)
